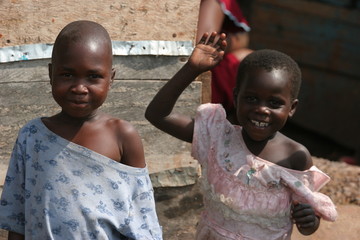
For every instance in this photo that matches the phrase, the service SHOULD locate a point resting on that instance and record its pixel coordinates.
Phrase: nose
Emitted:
(79, 87)
(262, 109)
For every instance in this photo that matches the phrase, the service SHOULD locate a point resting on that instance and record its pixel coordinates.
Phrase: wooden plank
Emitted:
(28, 22)
(340, 3)
(205, 78)
(127, 67)
(330, 105)
(314, 34)
(317, 8)
(147, 67)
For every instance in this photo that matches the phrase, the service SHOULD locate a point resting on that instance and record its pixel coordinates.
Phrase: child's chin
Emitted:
(258, 134)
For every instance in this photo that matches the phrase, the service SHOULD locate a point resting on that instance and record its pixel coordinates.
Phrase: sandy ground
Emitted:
(179, 208)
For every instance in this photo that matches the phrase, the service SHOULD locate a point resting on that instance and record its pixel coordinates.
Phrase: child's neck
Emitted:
(256, 147)
(67, 126)
(272, 149)
(66, 119)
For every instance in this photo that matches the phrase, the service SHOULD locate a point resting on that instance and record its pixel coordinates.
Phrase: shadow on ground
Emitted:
(178, 210)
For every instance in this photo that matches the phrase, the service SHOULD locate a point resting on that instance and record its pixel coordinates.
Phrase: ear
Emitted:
(113, 72)
(235, 96)
(293, 107)
(50, 72)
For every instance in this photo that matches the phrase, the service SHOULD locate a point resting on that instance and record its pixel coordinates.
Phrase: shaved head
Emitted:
(87, 33)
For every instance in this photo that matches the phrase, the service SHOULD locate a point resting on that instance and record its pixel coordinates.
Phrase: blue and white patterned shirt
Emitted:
(56, 189)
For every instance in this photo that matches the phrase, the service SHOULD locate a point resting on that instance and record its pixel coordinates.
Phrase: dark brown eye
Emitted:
(250, 99)
(67, 75)
(275, 103)
(94, 76)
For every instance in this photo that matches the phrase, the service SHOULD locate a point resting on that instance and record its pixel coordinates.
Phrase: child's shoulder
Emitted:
(299, 156)
(129, 140)
(211, 109)
(32, 125)
(124, 131)
(119, 125)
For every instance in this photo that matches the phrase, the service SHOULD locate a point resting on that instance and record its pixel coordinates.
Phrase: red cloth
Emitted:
(223, 81)
(235, 20)
(224, 75)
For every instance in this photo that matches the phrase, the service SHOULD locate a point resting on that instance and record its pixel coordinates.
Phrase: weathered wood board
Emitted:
(29, 22)
(316, 34)
(324, 40)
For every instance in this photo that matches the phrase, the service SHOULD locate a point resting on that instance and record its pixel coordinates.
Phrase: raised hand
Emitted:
(208, 52)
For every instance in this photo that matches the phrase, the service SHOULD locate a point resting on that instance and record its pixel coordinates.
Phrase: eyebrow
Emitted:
(95, 70)
(66, 68)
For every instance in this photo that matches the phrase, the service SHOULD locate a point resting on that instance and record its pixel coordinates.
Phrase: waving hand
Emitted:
(208, 52)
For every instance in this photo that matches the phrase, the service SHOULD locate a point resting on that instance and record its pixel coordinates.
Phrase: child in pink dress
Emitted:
(256, 181)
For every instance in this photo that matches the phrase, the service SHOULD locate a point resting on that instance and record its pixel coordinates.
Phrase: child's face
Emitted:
(81, 74)
(264, 103)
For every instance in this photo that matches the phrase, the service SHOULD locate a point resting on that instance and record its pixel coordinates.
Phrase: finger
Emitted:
(306, 225)
(301, 206)
(203, 38)
(303, 213)
(212, 38)
(305, 219)
(221, 43)
(223, 36)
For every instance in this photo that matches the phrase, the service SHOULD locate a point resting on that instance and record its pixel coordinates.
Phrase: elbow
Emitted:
(150, 115)
(157, 115)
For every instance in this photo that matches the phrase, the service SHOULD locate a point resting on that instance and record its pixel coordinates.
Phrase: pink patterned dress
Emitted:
(247, 197)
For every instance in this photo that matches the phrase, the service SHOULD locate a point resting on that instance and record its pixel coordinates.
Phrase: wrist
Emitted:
(192, 69)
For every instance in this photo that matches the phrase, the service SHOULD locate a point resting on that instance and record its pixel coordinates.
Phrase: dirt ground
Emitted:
(179, 208)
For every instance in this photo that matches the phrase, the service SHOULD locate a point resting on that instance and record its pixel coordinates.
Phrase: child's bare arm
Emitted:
(15, 236)
(132, 150)
(305, 218)
(205, 56)
(211, 17)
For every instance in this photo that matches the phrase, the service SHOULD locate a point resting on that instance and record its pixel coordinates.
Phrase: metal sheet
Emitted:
(120, 48)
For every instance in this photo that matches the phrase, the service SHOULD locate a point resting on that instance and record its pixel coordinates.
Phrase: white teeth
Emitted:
(260, 124)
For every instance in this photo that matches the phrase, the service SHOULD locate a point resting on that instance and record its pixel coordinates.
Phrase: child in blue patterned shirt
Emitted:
(79, 174)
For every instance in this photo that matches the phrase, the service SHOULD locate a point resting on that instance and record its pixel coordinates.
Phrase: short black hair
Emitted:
(79, 31)
(269, 60)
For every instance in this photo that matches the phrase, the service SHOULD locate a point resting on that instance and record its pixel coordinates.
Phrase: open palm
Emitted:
(208, 52)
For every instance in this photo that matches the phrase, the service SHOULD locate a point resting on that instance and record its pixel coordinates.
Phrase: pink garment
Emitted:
(247, 197)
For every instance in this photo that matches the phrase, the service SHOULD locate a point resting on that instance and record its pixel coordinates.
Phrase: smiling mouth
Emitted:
(78, 103)
(260, 124)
